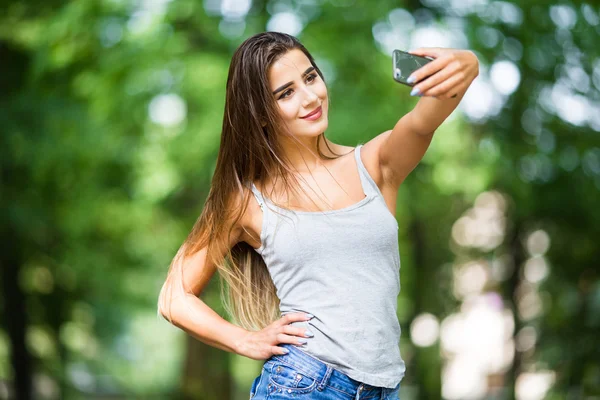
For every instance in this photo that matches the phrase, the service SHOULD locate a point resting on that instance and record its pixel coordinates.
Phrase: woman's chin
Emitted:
(318, 130)
(313, 131)
(321, 125)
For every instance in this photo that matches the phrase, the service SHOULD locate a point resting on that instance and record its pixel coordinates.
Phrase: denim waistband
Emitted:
(325, 375)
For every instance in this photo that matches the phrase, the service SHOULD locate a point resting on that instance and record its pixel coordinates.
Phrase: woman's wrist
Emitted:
(239, 341)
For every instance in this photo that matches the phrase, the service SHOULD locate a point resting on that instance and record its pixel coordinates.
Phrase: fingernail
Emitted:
(309, 334)
(286, 351)
(302, 340)
(415, 91)
(411, 79)
(309, 316)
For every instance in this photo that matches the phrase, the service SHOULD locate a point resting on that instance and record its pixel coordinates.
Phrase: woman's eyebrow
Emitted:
(279, 89)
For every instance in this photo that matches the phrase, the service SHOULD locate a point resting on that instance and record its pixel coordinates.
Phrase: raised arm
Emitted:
(442, 84)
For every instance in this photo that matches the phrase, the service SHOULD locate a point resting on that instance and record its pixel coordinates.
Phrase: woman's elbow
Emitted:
(164, 306)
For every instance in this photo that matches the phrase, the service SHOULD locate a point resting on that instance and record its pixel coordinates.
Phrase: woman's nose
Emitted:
(310, 97)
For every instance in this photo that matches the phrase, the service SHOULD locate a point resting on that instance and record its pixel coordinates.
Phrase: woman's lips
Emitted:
(314, 115)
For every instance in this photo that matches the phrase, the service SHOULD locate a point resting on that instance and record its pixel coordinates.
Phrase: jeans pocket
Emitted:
(283, 377)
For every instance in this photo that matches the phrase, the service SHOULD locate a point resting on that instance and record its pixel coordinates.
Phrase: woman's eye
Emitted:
(286, 93)
(309, 79)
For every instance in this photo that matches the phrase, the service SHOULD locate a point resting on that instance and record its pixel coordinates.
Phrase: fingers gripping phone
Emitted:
(405, 64)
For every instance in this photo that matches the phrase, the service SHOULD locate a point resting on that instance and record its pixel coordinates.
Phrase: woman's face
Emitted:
(299, 91)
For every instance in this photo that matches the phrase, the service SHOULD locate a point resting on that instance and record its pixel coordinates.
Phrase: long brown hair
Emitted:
(249, 152)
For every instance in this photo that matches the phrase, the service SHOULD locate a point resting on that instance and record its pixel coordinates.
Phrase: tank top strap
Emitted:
(258, 195)
(369, 186)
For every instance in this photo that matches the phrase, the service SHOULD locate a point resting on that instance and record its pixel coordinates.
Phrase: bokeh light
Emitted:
(424, 330)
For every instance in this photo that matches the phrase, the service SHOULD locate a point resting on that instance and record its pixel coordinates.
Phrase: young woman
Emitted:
(303, 229)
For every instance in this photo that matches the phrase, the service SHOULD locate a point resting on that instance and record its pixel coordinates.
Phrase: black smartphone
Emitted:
(405, 64)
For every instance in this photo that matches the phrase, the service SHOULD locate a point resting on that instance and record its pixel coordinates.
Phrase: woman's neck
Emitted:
(304, 156)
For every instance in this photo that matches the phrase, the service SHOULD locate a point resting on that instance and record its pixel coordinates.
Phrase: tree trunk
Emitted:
(518, 257)
(15, 316)
(427, 378)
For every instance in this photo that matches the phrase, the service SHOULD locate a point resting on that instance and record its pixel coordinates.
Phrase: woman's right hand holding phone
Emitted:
(261, 345)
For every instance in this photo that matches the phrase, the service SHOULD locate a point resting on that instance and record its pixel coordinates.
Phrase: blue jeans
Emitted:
(297, 375)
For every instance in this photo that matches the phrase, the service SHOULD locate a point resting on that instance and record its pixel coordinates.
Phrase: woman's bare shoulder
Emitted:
(245, 227)
(370, 156)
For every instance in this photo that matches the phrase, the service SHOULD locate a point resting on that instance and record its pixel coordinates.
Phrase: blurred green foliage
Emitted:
(110, 115)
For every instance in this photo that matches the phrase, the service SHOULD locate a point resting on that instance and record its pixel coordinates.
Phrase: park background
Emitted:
(110, 117)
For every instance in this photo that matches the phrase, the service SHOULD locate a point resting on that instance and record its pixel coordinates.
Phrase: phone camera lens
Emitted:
(397, 73)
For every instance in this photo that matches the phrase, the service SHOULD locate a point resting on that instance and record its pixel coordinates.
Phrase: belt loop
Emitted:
(384, 394)
(359, 391)
(325, 379)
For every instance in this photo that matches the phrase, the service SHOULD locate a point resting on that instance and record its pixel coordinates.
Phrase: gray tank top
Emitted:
(342, 266)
